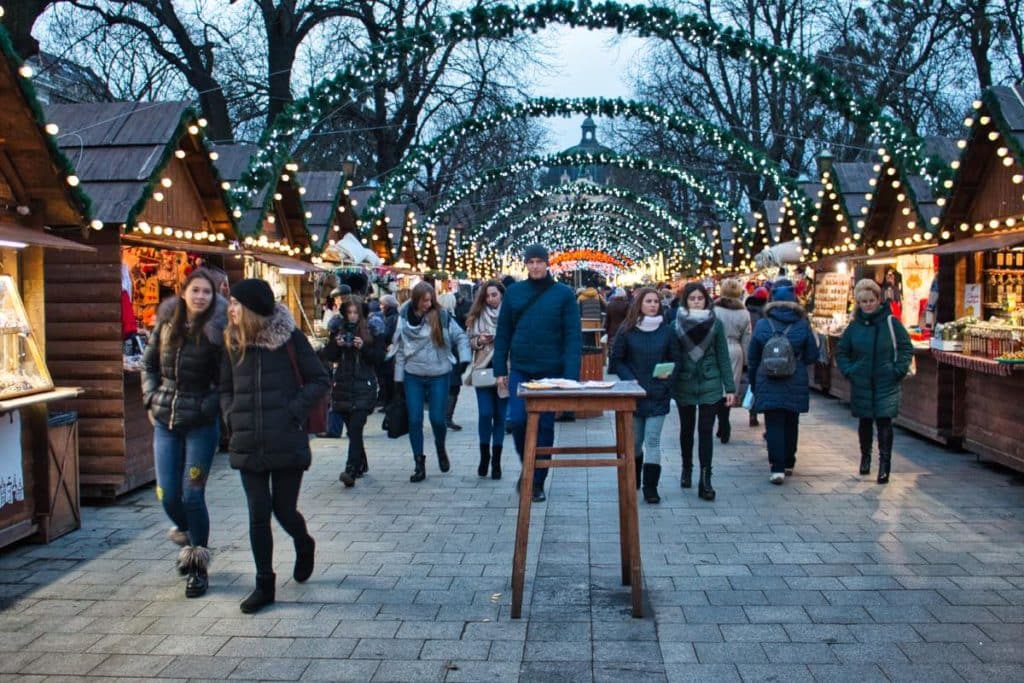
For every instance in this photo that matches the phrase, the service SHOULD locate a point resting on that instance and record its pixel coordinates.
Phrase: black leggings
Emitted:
(276, 492)
(865, 430)
(703, 416)
(355, 420)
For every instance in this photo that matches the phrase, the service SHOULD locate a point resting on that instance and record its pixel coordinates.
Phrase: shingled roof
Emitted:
(326, 198)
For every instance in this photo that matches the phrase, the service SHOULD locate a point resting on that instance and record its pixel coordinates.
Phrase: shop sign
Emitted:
(972, 300)
(12, 483)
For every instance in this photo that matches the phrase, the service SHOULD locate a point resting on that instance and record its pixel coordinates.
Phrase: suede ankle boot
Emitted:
(305, 556)
(262, 596)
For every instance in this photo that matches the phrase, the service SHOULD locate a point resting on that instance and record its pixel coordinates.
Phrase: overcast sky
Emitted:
(584, 64)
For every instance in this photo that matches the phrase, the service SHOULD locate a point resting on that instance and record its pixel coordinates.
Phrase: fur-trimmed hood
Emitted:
(729, 302)
(785, 310)
(278, 329)
(214, 327)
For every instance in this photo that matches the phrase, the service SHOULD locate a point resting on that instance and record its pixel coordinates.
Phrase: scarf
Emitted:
(486, 323)
(694, 331)
(649, 323)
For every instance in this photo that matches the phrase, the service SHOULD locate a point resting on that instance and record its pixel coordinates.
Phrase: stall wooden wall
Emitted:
(84, 348)
(306, 293)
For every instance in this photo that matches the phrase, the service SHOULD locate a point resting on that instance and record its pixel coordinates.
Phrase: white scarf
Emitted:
(649, 323)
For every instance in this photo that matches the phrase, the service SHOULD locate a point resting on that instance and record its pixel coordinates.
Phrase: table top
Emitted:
(620, 389)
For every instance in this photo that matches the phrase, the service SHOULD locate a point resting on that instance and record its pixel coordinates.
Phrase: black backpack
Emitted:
(778, 359)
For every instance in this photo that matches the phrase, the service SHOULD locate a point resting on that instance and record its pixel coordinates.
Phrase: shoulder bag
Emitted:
(316, 421)
(912, 370)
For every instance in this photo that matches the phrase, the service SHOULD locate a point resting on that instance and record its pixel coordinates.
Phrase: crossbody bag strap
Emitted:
(531, 302)
(892, 335)
(295, 363)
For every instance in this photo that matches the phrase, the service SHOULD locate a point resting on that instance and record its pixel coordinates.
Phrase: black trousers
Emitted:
(782, 429)
(355, 422)
(865, 430)
(274, 492)
(703, 417)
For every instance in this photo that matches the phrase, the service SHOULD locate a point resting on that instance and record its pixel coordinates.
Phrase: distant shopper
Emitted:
(181, 371)
(539, 335)
(590, 304)
(703, 381)
(428, 345)
(755, 304)
(736, 323)
(874, 354)
(618, 308)
(643, 341)
(356, 351)
(270, 380)
(482, 324)
(781, 348)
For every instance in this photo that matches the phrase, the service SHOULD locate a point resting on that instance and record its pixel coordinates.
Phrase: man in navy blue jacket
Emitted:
(539, 335)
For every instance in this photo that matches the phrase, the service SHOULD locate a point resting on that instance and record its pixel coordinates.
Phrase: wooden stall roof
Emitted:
(840, 206)
(986, 186)
(122, 151)
(289, 211)
(33, 170)
(402, 234)
(327, 198)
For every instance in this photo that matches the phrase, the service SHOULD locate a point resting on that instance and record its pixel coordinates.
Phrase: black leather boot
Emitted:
(686, 480)
(442, 459)
(704, 489)
(305, 555)
(262, 596)
(347, 477)
(198, 564)
(865, 430)
(724, 427)
(652, 473)
(450, 414)
(496, 462)
(419, 472)
(485, 459)
(884, 461)
(639, 459)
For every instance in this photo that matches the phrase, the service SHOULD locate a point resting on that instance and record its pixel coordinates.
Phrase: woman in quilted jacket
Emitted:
(179, 389)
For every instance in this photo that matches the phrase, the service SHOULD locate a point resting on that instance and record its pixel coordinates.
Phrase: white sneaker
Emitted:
(177, 536)
(777, 478)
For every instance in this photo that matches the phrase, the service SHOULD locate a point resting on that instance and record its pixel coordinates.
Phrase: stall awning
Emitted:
(282, 261)
(17, 234)
(217, 248)
(979, 243)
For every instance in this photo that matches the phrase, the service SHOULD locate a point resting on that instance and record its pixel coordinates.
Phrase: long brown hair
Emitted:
(178, 330)
(634, 314)
(480, 302)
(362, 329)
(433, 315)
(238, 337)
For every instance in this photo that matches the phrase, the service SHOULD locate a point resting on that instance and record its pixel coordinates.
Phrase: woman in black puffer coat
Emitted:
(270, 380)
(181, 368)
(354, 391)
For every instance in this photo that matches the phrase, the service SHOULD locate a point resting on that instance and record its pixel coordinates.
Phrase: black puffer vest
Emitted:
(262, 401)
(179, 383)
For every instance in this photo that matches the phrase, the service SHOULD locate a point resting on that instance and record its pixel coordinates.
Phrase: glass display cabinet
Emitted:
(22, 368)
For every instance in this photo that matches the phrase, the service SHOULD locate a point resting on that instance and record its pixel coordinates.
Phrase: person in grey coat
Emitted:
(736, 323)
(426, 342)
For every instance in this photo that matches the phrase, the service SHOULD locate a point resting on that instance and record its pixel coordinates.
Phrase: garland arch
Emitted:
(502, 21)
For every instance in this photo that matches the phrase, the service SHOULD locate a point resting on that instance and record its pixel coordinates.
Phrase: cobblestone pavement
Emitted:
(829, 577)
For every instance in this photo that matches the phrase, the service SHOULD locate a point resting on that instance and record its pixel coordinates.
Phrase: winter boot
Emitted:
(262, 596)
(305, 555)
(704, 489)
(496, 462)
(199, 563)
(652, 473)
(724, 427)
(753, 419)
(639, 460)
(485, 459)
(177, 536)
(419, 472)
(686, 480)
(184, 560)
(864, 434)
(364, 466)
(348, 476)
(884, 461)
(442, 459)
(450, 414)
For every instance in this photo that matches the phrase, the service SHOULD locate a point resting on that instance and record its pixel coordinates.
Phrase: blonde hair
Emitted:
(238, 337)
(867, 285)
(731, 288)
(403, 295)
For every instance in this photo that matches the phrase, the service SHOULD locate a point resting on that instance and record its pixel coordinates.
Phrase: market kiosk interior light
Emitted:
(291, 271)
(842, 268)
(9, 244)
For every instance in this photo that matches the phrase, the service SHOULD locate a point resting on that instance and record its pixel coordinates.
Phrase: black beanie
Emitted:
(255, 295)
(536, 251)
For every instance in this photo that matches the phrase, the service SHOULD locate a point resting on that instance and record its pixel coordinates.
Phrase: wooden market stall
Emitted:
(981, 275)
(38, 197)
(331, 218)
(159, 211)
(903, 219)
(278, 246)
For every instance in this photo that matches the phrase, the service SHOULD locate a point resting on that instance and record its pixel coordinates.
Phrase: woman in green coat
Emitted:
(874, 354)
(703, 379)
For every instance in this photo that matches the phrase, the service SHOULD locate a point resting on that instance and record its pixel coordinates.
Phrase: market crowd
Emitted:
(230, 360)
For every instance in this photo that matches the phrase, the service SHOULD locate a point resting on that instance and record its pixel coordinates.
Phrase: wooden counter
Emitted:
(993, 415)
(928, 405)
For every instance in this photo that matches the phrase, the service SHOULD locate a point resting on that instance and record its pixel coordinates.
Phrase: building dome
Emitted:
(601, 175)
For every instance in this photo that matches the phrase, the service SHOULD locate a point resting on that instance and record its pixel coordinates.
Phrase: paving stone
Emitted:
(557, 651)
(847, 673)
(754, 633)
(700, 673)
(462, 650)
(557, 671)
(141, 666)
(985, 673)
(387, 648)
(200, 667)
(729, 653)
(270, 669)
(472, 672)
(770, 673)
(913, 673)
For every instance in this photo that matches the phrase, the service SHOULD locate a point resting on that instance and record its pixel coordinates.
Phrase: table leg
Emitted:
(633, 522)
(623, 476)
(523, 522)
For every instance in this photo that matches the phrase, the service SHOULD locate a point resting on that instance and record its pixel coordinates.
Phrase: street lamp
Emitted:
(350, 166)
(824, 160)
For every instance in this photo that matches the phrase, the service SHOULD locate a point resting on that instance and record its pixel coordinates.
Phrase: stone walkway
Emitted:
(829, 577)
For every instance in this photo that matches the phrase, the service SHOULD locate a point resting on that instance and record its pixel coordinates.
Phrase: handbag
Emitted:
(316, 420)
(396, 416)
(912, 370)
(748, 398)
(483, 378)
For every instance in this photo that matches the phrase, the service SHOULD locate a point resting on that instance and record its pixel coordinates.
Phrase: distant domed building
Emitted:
(600, 175)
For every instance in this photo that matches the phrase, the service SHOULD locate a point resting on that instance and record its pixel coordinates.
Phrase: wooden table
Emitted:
(622, 399)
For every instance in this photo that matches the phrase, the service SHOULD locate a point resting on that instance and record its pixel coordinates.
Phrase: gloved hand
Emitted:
(460, 368)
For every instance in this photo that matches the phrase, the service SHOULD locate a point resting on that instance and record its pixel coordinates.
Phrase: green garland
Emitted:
(503, 21)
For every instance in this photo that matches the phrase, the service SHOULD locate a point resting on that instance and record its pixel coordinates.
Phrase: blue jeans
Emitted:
(183, 457)
(782, 428)
(647, 437)
(517, 417)
(432, 391)
(335, 423)
(491, 416)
